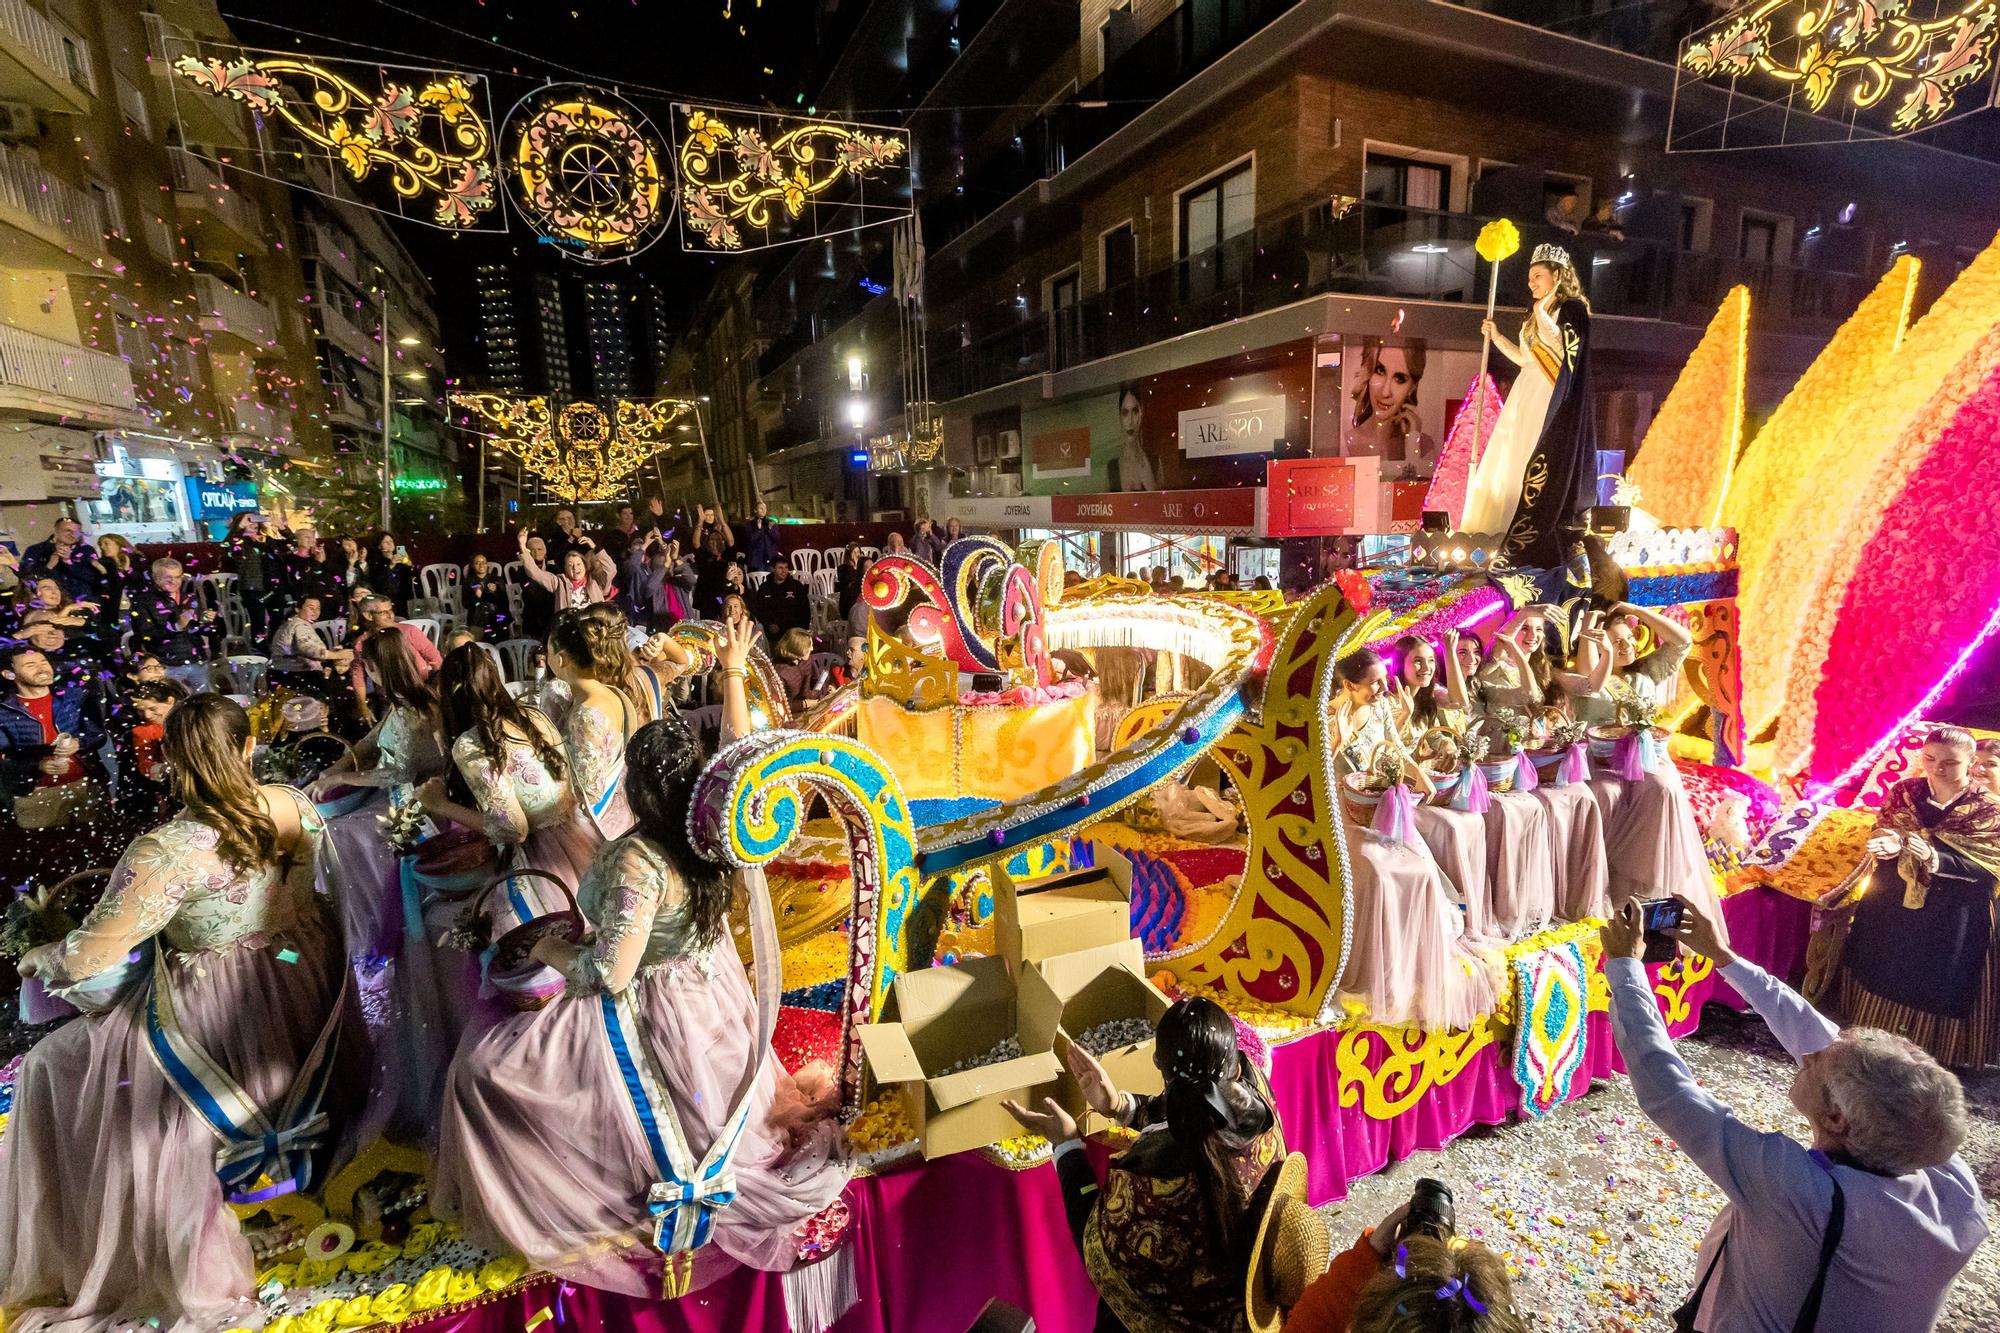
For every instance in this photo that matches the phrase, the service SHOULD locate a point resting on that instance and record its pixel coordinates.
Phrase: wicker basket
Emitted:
(342, 800)
(527, 984)
(1500, 773)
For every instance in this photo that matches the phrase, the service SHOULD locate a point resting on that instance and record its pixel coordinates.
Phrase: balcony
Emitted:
(200, 192)
(45, 222)
(34, 68)
(248, 416)
(204, 118)
(228, 313)
(334, 250)
(1379, 250)
(41, 377)
(344, 333)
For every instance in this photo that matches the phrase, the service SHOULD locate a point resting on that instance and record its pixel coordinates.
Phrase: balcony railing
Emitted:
(199, 186)
(1374, 250)
(31, 362)
(248, 416)
(207, 119)
(48, 205)
(224, 310)
(1654, 31)
(36, 68)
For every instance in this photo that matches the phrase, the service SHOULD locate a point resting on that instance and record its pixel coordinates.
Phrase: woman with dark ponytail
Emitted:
(1166, 1257)
(542, 1149)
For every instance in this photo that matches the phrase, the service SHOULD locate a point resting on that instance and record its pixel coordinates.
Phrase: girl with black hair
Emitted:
(1166, 1257)
(542, 1149)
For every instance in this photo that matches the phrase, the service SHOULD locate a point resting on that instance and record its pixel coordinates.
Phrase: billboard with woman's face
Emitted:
(1398, 399)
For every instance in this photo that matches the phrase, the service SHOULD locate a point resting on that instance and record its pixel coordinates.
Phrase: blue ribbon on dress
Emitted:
(1473, 795)
(416, 882)
(253, 1144)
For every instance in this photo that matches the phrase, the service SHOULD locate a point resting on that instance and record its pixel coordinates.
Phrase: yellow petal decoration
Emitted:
(285, 1275)
(1497, 240)
(423, 1236)
(503, 1272)
(433, 1289)
(320, 1318)
(391, 1305)
(1683, 465)
(372, 1257)
(465, 1287)
(356, 1312)
(314, 1272)
(284, 1323)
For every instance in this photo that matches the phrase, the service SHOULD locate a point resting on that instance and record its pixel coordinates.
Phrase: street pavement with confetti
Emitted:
(1599, 1214)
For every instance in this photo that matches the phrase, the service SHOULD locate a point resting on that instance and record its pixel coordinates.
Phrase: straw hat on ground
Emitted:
(1292, 1249)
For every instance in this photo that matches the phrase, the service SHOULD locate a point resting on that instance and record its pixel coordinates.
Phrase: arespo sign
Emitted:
(1247, 426)
(1229, 509)
(1332, 497)
(212, 503)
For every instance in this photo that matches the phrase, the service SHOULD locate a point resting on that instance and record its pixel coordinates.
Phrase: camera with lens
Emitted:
(1431, 1212)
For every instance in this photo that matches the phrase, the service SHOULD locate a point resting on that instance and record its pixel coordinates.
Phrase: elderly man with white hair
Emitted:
(1861, 1232)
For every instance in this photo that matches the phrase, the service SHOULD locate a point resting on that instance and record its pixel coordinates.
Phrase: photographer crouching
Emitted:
(1864, 1230)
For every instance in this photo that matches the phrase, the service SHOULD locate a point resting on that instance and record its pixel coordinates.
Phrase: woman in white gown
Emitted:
(1496, 485)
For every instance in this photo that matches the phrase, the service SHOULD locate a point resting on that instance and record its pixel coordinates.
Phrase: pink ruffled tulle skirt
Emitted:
(1410, 961)
(541, 1151)
(110, 1210)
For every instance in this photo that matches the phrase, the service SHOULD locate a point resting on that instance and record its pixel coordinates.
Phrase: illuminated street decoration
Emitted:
(423, 130)
(577, 450)
(585, 169)
(1864, 67)
(780, 178)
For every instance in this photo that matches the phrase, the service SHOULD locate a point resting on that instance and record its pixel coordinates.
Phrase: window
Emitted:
(1696, 218)
(111, 207)
(133, 103)
(1406, 182)
(76, 55)
(1758, 239)
(1218, 210)
(1118, 257)
(159, 236)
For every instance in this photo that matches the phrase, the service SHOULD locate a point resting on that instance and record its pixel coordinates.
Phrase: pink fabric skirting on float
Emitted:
(1410, 961)
(109, 1202)
(1652, 844)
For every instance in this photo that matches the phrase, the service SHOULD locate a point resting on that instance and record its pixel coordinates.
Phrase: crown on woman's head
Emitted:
(1548, 252)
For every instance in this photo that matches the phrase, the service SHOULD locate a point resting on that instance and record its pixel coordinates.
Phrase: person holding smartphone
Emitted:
(387, 571)
(1869, 1223)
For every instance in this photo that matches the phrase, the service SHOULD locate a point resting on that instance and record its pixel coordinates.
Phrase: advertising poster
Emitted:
(1397, 400)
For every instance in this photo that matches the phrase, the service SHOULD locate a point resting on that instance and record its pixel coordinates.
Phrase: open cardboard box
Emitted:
(937, 1016)
(1037, 919)
(1081, 990)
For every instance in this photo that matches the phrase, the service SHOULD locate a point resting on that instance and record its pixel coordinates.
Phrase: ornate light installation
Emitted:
(740, 172)
(577, 450)
(1863, 67)
(585, 169)
(426, 131)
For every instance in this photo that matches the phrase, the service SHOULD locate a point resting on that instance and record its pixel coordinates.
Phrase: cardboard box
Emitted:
(937, 1016)
(1080, 990)
(1037, 919)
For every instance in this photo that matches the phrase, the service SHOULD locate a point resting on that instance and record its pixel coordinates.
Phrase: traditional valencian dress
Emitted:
(1147, 1241)
(111, 1180)
(1410, 961)
(544, 1148)
(1540, 465)
(1921, 957)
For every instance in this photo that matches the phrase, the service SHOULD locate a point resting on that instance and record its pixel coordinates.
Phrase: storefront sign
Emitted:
(1247, 426)
(1062, 453)
(994, 511)
(1324, 497)
(406, 485)
(1230, 510)
(211, 503)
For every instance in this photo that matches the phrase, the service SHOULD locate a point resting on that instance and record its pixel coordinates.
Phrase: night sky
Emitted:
(654, 51)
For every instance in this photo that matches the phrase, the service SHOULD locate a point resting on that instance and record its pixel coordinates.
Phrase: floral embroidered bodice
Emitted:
(1647, 684)
(172, 883)
(595, 747)
(407, 748)
(518, 795)
(1369, 729)
(637, 909)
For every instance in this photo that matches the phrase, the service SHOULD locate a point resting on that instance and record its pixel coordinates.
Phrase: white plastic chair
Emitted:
(803, 561)
(517, 658)
(333, 631)
(513, 574)
(757, 577)
(871, 553)
(217, 592)
(246, 672)
(441, 585)
(429, 626)
(499, 661)
(835, 557)
(520, 688)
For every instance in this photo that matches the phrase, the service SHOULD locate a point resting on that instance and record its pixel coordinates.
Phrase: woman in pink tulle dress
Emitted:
(543, 1148)
(1651, 839)
(1410, 961)
(111, 1207)
(607, 696)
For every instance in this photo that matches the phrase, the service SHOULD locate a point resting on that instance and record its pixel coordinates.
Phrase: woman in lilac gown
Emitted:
(543, 1149)
(111, 1206)
(1411, 961)
(607, 695)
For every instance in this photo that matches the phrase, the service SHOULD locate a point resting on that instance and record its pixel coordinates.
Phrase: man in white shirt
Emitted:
(1887, 1121)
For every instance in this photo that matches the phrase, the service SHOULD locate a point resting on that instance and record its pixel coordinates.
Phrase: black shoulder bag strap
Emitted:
(1808, 1312)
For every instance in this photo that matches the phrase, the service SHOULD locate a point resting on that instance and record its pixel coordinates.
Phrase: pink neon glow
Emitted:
(1867, 760)
(1462, 449)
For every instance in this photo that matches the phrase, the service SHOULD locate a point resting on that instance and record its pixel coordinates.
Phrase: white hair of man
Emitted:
(1902, 1111)
(166, 564)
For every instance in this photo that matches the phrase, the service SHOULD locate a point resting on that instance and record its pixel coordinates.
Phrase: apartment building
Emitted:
(151, 358)
(1146, 209)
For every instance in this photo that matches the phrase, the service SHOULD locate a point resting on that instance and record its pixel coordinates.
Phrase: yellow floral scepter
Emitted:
(1497, 240)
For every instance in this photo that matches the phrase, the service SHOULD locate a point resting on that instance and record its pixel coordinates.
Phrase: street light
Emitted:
(855, 375)
(409, 340)
(857, 413)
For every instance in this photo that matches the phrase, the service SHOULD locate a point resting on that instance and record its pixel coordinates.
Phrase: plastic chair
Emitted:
(836, 556)
(520, 688)
(429, 626)
(217, 592)
(499, 661)
(246, 672)
(871, 553)
(757, 577)
(441, 585)
(517, 658)
(512, 575)
(803, 561)
(333, 631)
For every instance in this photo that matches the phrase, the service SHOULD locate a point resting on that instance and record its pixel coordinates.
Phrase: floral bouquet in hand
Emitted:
(35, 917)
(405, 825)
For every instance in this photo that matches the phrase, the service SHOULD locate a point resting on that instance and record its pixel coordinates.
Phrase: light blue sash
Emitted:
(688, 1194)
(253, 1144)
